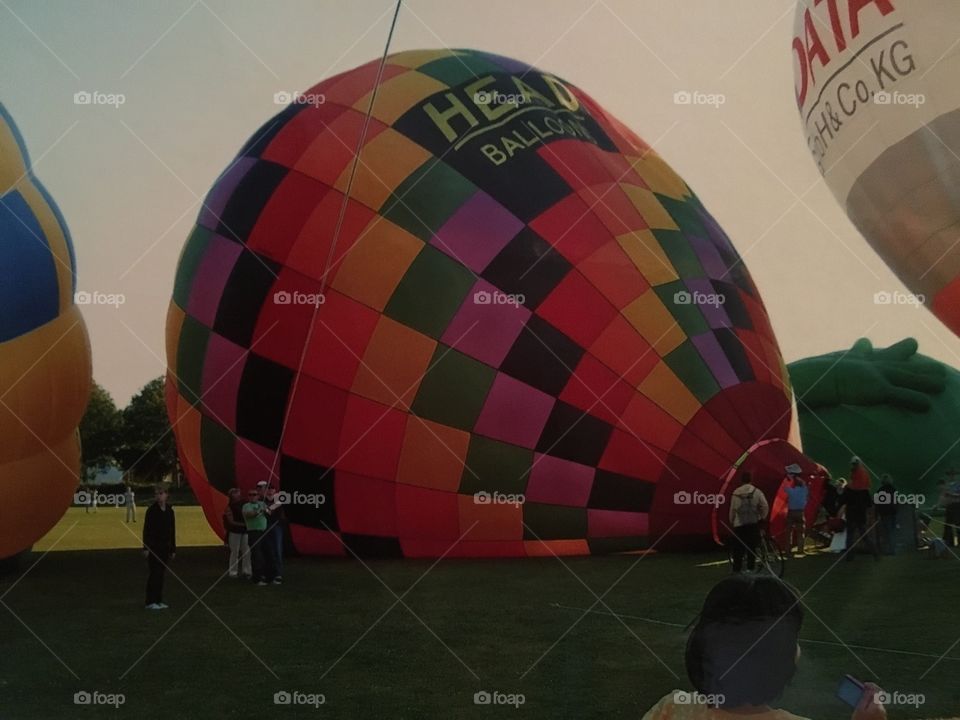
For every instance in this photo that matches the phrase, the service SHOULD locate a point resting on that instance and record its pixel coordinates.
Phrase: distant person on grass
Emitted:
(255, 516)
(130, 502)
(797, 496)
(159, 546)
(743, 653)
(236, 528)
(748, 511)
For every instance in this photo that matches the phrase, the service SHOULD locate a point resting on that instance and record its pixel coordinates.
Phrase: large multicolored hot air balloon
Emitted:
(45, 372)
(521, 334)
(880, 104)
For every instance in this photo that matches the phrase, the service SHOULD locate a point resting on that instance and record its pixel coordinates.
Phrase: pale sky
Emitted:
(199, 78)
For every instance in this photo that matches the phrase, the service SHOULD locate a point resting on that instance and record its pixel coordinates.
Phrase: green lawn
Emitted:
(107, 529)
(471, 625)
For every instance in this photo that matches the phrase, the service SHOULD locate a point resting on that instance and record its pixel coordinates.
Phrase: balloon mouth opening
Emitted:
(764, 456)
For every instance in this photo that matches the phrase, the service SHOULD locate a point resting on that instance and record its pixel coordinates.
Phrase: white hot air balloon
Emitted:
(878, 90)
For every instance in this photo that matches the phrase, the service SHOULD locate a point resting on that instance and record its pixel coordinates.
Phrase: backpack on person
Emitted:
(748, 511)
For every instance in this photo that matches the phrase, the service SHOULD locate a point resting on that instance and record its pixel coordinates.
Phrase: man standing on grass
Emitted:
(858, 503)
(748, 510)
(276, 518)
(255, 516)
(130, 501)
(797, 496)
(159, 546)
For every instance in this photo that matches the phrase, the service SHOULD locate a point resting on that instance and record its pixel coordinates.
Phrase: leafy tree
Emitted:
(148, 452)
(100, 431)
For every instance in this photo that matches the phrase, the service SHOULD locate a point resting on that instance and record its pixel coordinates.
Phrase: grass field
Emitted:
(106, 529)
(74, 621)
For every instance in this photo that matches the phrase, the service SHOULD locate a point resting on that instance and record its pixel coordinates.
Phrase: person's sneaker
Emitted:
(278, 581)
(261, 583)
(233, 575)
(153, 606)
(280, 578)
(162, 606)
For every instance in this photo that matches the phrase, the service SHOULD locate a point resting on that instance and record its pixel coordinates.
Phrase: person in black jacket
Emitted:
(858, 502)
(159, 546)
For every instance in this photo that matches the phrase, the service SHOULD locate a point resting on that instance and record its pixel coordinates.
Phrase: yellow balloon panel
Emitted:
(45, 366)
(37, 490)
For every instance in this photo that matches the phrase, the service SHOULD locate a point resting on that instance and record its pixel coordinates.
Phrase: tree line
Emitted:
(137, 439)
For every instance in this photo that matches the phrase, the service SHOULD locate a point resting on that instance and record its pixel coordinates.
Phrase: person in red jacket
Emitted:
(859, 476)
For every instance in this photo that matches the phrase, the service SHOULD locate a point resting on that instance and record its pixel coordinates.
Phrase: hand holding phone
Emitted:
(850, 691)
(862, 697)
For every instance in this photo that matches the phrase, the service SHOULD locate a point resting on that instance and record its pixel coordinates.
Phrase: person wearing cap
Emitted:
(255, 516)
(273, 535)
(748, 512)
(797, 496)
(276, 519)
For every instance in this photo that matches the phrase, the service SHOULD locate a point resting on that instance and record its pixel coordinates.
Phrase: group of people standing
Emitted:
(845, 506)
(254, 528)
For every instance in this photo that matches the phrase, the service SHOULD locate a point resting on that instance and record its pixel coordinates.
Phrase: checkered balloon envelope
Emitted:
(508, 329)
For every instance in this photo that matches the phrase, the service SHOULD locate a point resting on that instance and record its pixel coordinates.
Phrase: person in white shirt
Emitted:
(748, 511)
(130, 502)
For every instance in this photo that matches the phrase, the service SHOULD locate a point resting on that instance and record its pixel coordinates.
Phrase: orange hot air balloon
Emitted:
(45, 371)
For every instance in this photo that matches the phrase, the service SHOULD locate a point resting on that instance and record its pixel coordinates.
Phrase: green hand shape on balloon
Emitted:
(864, 375)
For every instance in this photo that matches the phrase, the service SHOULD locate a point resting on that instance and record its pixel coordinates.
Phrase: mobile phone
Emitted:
(850, 690)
